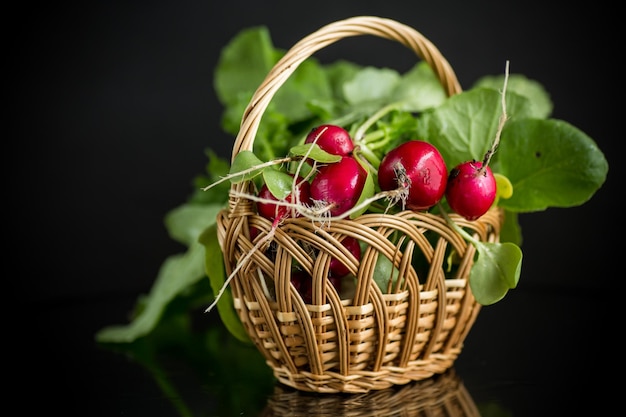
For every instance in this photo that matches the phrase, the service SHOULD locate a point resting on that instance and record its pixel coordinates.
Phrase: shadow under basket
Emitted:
(404, 310)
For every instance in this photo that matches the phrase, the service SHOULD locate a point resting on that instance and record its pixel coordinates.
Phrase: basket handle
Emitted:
(327, 35)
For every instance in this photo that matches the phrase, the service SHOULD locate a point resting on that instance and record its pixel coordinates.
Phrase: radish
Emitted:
(336, 282)
(275, 212)
(471, 189)
(332, 139)
(338, 186)
(303, 283)
(338, 269)
(418, 170)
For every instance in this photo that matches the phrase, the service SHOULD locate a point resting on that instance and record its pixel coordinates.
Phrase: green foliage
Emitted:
(495, 271)
(216, 168)
(244, 167)
(313, 151)
(464, 126)
(278, 182)
(540, 103)
(178, 276)
(214, 268)
(550, 164)
(242, 66)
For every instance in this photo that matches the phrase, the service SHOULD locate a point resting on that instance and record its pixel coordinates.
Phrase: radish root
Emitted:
(503, 118)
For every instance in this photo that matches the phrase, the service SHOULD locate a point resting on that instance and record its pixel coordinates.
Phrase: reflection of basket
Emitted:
(368, 339)
(443, 396)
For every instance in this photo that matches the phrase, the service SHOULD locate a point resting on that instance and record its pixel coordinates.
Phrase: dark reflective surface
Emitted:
(528, 356)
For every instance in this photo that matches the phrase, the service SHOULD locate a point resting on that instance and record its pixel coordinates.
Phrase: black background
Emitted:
(111, 107)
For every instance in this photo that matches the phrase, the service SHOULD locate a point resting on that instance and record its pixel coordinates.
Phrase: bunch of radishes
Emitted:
(413, 175)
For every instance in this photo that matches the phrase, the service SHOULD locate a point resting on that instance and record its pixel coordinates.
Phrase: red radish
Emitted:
(303, 283)
(338, 269)
(332, 139)
(254, 232)
(418, 167)
(336, 282)
(276, 212)
(471, 189)
(301, 280)
(339, 185)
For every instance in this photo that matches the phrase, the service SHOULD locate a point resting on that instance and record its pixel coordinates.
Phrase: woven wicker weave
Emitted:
(442, 396)
(369, 339)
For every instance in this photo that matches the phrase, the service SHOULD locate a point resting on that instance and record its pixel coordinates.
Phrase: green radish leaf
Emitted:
(504, 188)
(214, 267)
(465, 125)
(308, 80)
(243, 64)
(369, 189)
(273, 139)
(278, 182)
(541, 104)
(385, 271)
(313, 151)
(176, 275)
(245, 164)
(371, 85)
(550, 164)
(511, 230)
(216, 170)
(186, 222)
(338, 73)
(496, 270)
(419, 89)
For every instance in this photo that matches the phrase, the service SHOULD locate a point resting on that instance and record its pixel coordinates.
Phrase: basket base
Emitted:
(363, 381)
(441, 395)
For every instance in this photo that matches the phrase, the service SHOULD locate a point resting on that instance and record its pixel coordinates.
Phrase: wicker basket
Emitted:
(368, 339)
(442, 396)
